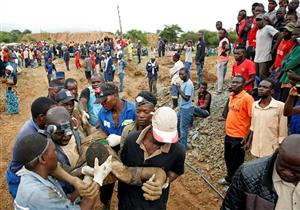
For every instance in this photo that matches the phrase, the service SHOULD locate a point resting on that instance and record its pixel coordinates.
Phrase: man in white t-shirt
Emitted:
(174, 73)
(263, 51)
(188, 57)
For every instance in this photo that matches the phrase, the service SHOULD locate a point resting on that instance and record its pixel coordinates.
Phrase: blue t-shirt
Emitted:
(188, 89)
(122, 65)
(106, 120)
(27, 129)
(50, 67)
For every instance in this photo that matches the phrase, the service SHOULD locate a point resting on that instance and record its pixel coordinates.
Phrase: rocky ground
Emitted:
(206, 137)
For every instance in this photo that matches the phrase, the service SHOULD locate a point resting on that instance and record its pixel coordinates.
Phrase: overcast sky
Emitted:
(100, 15)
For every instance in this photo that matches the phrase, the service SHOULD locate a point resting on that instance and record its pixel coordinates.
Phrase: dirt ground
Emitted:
(187, 192)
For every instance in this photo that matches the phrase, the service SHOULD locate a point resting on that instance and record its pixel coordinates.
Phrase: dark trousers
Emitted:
(139, 57)
(234, 155)
(67, 64)
(106, 192)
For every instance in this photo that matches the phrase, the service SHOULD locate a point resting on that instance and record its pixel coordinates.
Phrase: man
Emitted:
(161, 47)
(72, 85)
(291, 66)
(114, 115)
(268, 183)
(264, 49)
(89, 110)
(174, 73)
(188, 56)
(138, 48)
(87, 68)
(237, 127)
(39, 108)
(54, 87)
(292, 9)
(109, 71)
(219, 26)
(202, 108)
(129, 50)
(280, 18)
(66, 57)
(152, 68)
(155, 146)
(292, 109)
(185, 114)
(221, 66)
(271, 11)
(268, 124)
(50, 67)
(77, 61)
(122, 64)
(257, 8)
(242, 28)
(244, 67)
(38, 190)
(145, 105)
(200, 55)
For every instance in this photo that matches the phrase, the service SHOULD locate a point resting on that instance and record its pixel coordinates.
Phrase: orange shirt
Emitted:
(239, 114)
(5, 56)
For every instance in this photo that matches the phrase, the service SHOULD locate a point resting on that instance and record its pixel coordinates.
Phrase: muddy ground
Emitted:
(188, 191)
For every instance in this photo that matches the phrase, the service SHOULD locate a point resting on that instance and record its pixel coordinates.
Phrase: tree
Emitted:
(170, 33)
(26, 31)
(190, 35)
(136, 35)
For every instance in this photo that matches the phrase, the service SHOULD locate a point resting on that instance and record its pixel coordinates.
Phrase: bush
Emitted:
(136, 35)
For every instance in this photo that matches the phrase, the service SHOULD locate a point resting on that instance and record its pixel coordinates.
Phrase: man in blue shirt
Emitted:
(185, 114)
(38, 190)
(50, 67)
(152, 69)
(39, 109)
(114, 115)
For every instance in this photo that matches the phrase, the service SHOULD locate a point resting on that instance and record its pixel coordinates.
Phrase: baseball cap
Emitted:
(107, 89)
(164, 124)
(259, 16)
(290, 27)
(64, 96)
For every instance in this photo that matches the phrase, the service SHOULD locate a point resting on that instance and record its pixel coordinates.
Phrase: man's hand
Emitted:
(88, 190)
(101, 172)
(292, 76)
(85, 117)
(293, 91)
(113, 140)
(152, 189)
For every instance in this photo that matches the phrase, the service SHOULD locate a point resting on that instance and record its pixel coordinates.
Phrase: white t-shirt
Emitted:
(174, 72)
(264, 38)
(188, 54)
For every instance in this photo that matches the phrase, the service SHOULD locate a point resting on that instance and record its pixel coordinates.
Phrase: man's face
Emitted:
(280, 15)
(293, 5)
(175, 58)
(241, 15)
(286, 33)
(143, 113)
(73, 88)
(51, 157)
(238, 54)
(271, 6)
(60, 138)
(96, 82)
(183, 75)
(69, 106)
(218, 25)
(203, 89)
(282, 3)
(288, 166)
(259, 23)
(52, 91)
(258, 10)
(110, 102)
(264, 89)
(237, 85)
(221, 34)
(290, 19)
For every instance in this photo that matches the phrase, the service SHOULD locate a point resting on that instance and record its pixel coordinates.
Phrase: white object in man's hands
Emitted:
(113, 140)
(101, 172)
(85, 117)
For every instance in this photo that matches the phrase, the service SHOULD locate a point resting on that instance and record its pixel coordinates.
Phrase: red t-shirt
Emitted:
(283, 49)
(252, 33)
(242, 25)
(246, 69)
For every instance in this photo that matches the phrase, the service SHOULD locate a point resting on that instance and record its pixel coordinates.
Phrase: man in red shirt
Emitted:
(241, 28)
(77, 61)
(257, 8)
(286, 44)
(244, 67)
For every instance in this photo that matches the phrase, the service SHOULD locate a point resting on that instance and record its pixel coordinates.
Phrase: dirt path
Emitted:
(188, 192)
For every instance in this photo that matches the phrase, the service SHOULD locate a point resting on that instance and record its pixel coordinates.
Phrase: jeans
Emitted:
(221, 72)
(234, 155)
(184, 122)
(121, 78)
(198, 112)
(199, 74)
(188, 67)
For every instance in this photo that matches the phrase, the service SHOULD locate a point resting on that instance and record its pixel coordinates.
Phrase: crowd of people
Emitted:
(78, 144)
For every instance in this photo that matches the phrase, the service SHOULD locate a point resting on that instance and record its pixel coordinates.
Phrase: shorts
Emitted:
(88, 74)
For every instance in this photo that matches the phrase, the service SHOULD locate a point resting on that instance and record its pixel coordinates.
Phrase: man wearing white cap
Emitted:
(155, 146)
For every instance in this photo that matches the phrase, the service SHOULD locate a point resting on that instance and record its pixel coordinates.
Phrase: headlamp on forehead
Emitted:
(140, 100)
